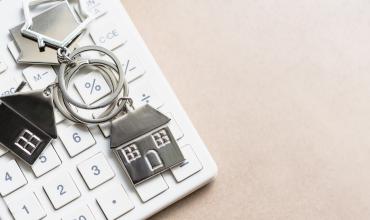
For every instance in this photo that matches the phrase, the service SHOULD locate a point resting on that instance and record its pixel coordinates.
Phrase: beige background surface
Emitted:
(280, 92)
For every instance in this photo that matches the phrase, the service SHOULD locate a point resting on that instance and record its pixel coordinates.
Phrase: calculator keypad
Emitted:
(81, 177)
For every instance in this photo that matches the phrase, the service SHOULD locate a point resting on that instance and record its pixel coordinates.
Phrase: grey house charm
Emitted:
(27, 124)
(144, 144)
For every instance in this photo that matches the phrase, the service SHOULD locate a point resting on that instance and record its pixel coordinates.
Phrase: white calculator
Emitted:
(78, 177)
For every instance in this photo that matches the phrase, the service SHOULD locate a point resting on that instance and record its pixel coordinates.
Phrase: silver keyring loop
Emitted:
(65, 103)
(70, 114)
(117, 67)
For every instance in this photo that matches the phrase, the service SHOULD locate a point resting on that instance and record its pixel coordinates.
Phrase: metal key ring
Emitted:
(70, 114)
(122, 84)
(64, 102)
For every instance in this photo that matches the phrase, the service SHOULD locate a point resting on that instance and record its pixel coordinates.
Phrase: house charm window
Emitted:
(27, 141)
(161, 138)
(131, 153)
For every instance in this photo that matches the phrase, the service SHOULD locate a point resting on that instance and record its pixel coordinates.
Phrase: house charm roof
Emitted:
(144, 144)
(28, 124)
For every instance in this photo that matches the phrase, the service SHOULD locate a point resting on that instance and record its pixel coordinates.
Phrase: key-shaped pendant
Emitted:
(27, 124)
(144, 144)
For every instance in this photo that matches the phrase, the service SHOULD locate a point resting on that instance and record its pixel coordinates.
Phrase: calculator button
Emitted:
(82, 213)
(134, 67)
(143, 93)
(11, 178)
(61, 190)
(39, 77)
(93, 7)
(8, 85)
(190, 166)
(92, 87)
(174, 127)
(76, 138)
(47, 161)
(114, 202)
(106, 33)
(95, 171)
(3, 150)
(151, 188)
(27, 207)
(3, 66)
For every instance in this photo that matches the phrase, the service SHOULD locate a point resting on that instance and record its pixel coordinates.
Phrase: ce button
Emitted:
(110, 39)
(109, 36)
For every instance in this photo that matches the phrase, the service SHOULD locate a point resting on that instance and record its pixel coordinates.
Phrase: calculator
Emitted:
(78, 176)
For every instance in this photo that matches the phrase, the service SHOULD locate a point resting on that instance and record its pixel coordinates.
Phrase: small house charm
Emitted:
(27, 124)
(144, 143)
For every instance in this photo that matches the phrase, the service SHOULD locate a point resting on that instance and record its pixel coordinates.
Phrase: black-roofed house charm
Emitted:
(27, 124)
(144, 144)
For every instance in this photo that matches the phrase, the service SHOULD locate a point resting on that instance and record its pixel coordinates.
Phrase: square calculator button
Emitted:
(26, 206)
(114, 202)
(95, 171)
(61, 190)
(76, 138)
(47, 161)
(11, 178)
(39, 77)
(92, 87)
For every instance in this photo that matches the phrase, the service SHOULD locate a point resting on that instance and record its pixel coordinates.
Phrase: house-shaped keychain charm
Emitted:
(27, 124)
(144, 144)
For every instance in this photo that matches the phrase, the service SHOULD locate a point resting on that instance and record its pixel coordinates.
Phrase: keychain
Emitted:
(140, 138)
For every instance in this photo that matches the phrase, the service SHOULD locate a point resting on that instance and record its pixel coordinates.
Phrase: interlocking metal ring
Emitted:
(112, 72)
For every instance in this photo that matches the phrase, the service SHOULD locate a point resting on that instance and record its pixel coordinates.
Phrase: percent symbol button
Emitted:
(92, 87)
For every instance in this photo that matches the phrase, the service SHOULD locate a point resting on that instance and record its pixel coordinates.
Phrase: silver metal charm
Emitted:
(27, 124)
(52, 40)
(57, 22)
(144, 144)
